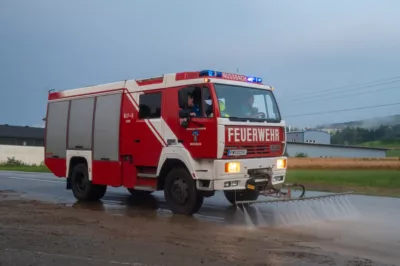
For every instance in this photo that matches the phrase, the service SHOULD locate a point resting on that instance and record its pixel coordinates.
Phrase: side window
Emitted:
(208, 102)
(150, 105)
(197, 99)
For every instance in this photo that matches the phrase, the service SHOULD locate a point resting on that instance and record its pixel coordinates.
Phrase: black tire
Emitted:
(82, 188)
(135, 192)
(181, 193)
(241, 195)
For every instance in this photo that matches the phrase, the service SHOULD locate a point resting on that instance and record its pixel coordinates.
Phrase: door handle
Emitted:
(137, 140)
(128, 158)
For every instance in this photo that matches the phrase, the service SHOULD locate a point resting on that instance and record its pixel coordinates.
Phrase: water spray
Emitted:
(283, 208)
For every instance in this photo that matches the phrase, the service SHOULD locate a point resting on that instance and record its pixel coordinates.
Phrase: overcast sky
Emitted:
(299, 47)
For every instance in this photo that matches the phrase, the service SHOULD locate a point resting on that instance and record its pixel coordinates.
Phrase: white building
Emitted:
(309, 136)
(316, 150)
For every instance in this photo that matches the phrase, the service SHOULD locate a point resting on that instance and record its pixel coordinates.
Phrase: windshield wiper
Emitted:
(235, 118)
(273, 120)
(244, 119)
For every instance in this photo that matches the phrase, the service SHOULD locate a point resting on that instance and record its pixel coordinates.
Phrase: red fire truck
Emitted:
(188, 134)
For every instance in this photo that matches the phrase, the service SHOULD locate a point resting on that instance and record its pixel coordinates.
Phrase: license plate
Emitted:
(237, 152)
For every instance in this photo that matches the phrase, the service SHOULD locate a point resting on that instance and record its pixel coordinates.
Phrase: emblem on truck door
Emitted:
(195, 135)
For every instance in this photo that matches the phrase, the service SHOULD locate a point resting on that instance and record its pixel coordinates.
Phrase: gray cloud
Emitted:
(299, 47)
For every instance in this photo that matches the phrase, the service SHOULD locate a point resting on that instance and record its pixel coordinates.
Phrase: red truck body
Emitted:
(134, 134)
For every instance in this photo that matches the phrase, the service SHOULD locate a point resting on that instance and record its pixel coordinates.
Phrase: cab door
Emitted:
(200, 135)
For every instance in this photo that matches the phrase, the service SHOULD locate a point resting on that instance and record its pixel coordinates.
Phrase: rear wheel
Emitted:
(82, 188)
(181, 193)
(241, 195)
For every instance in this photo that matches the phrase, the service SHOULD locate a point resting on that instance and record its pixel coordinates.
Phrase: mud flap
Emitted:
(68, 183)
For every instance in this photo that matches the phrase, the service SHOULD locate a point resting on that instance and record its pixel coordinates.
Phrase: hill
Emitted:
(366, 123)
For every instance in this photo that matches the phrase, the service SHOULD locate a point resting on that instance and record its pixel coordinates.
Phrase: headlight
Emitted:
(281, 164)
(232, 167)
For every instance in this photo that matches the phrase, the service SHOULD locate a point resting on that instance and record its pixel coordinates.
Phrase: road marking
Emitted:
(77, 257)
(34, 179)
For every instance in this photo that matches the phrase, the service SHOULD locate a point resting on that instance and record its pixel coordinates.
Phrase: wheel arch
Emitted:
(75, 160)
(76, 156)
(174, 155)
(167, 166)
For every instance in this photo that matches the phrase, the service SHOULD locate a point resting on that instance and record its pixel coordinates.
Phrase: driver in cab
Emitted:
(188, 109)
(192, 107)
(247, 107)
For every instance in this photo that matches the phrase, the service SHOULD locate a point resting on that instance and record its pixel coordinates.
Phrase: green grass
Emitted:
(382, 144)
(25, 168)
(371, 182)
(394, 145)
(393, 153)
(373, 178)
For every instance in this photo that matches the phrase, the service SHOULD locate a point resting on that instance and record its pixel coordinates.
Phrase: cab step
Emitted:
(144, 175)
(146, 172)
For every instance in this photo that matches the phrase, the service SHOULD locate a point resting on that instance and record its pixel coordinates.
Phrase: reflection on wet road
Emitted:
(118, 201)
(365, 224)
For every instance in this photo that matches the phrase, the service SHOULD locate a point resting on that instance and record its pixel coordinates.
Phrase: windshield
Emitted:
(245, 103)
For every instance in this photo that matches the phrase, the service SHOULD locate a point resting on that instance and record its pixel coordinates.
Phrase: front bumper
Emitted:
(237, 181)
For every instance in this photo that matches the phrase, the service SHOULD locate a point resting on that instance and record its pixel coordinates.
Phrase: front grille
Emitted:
(256, 150)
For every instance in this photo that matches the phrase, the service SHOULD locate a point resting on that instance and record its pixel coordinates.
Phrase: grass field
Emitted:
(382, 144)
(344, 163)
(394, 145)
(393, 153)
(24, 168)
(370, 182)
(375, 176)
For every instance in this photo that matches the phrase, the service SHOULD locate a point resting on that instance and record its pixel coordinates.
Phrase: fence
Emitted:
(26, 154)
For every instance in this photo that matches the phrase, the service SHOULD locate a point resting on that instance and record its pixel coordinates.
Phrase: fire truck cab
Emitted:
(188, 134)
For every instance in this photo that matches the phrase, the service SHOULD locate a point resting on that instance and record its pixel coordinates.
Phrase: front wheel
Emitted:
(181, 193)
(82, 188)
(241, 195)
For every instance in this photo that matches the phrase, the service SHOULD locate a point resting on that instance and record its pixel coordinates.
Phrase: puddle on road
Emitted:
(153, 206)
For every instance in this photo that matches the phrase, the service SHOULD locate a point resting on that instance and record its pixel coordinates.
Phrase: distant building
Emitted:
(317, 143)
(312, 150)
(309, 136)
(21, 135)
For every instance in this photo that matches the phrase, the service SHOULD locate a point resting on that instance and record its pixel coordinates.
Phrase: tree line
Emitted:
(357, 135)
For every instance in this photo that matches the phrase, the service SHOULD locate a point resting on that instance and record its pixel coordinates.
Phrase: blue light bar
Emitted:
(210, 73)
(254, 79)
(237, 77)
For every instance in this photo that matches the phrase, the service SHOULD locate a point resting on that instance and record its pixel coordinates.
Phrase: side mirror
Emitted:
(184, 116)
(184, 113)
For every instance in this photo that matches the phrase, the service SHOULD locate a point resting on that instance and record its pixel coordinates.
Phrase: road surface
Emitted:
(357, 230)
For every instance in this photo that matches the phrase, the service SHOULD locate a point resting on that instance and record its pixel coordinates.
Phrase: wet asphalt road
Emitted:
(355, 225)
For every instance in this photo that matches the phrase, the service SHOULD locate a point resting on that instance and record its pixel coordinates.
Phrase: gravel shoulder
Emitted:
(38, 233)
